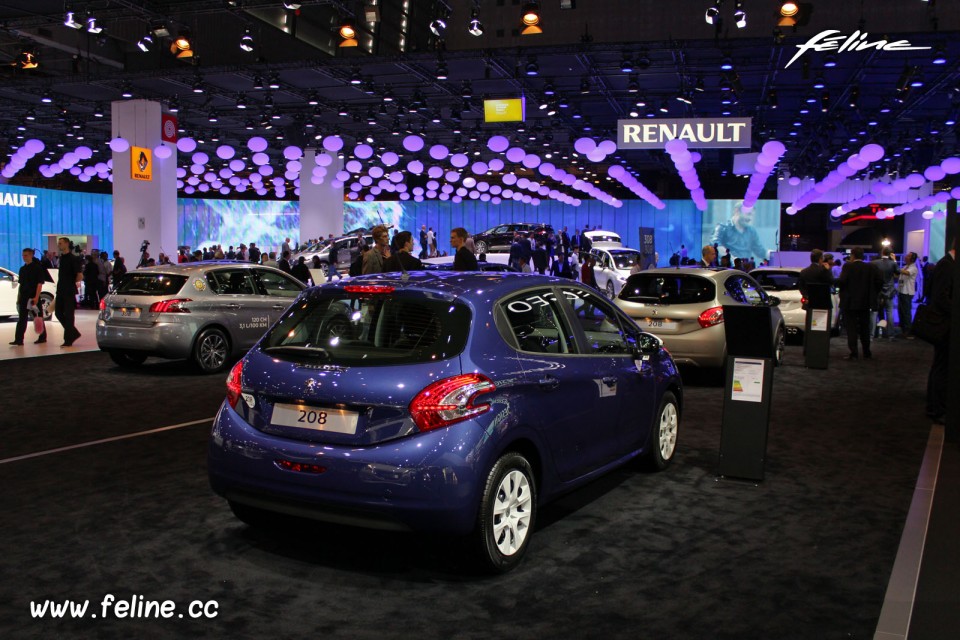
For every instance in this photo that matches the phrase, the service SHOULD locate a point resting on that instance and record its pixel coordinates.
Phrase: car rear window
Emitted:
(370, 329)
(668, 288)
(778, 280)
(625, 260)
(150, 284)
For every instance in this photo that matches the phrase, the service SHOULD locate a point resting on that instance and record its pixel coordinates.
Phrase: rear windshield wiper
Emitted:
(298, 350)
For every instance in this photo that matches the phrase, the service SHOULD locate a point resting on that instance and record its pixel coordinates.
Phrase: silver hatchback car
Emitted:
(208, 312)
(684, 308)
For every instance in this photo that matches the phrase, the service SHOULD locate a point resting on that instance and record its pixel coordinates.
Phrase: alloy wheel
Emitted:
(512, 512)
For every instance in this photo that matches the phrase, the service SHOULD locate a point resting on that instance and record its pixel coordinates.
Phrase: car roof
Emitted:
(615, 250)
(476, 286)
(768, 269)
(714, 273)
(199, 267)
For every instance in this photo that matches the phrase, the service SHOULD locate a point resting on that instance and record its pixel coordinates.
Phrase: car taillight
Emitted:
(103, 304)
(803, 300)
(711, 317)
(171, 306)
(235, 384)
(368, 288)
(449, 401)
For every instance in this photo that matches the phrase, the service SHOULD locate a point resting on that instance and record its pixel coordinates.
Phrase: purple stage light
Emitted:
(333, 144)
(479, 168)
(260, 159)
(584, 145)
(225, 173)
(439, 152)
(237, 165)
(496, 165)
(871, 152)
(915, 180)
(363, 151)
(606, 147)
(951, 166)
(323, 160)
(162, 151)
(389, 158)
(186, 145)
(498, 144)
(353, 166)
(257, 144)
(376, 172)
(225, 152)
(531, 161)
(515, 154)
(200, 158)
(452, 176)
(119, 145)
(459, 160)
(435, 172)
(265, 170)
(396, 177)
(415, 167)
(469, 182)
(413, 143)
(293, 153)
(366, 181)
(934, 173)
(596, 156)
(343, 176)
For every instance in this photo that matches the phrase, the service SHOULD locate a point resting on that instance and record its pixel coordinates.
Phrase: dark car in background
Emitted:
(441, 402)
(207, 312)
(500, 238)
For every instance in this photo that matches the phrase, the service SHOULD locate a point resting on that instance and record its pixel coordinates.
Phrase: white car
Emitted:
(600, 238)
(346, 248)
(10, 285)
(613, 268)
(784, 282)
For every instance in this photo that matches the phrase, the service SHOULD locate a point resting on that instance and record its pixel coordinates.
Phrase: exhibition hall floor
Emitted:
(106, 493)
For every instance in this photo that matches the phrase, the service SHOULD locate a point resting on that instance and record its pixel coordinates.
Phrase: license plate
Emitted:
(661, 324)
(126, 312)
(316, 418)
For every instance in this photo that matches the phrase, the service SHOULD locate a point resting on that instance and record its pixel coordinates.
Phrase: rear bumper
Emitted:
(425, 482)
(701, 348)
(172, 340)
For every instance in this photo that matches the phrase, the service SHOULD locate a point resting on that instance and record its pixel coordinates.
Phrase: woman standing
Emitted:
(906, 290)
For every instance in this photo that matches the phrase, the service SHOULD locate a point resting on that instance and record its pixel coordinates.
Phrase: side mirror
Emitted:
(773, 301)
(649, 344)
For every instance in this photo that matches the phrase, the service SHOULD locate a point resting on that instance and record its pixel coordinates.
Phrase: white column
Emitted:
(321, 206)
(143, 209)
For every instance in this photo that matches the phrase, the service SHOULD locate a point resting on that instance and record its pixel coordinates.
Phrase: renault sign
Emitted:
(699, 133)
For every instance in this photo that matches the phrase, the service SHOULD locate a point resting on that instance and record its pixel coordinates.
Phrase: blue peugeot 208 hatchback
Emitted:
(442, 401)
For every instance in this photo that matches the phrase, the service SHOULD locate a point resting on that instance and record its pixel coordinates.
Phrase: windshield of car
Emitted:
(625, 259)
(668, 288)
(599, 236)
(778, 280)
(150, 284)
(370, 329)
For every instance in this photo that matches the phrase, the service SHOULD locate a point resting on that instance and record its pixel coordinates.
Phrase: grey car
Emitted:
(684, 308)
(207, 312)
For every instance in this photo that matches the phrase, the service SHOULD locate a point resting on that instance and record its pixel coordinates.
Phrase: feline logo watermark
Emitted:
(857, 41)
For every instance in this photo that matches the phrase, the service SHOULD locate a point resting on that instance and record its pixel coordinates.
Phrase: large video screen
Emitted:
(230, 222)
(750, 233)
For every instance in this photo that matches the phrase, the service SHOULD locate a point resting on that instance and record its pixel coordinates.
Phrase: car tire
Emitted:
(508, 513)
(609, 290)
(211, 351)
(663, 434)
(779, 347)
(253, 516)
(480, 246)
(127, 359)
(46, 305)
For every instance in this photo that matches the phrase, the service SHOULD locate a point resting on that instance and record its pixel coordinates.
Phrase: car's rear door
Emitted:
(278, 291)
(239, 305)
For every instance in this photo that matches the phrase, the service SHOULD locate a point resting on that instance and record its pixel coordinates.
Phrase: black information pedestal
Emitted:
(816, 331)
(747, 393)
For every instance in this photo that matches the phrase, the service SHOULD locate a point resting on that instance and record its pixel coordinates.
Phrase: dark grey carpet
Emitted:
(679, 554)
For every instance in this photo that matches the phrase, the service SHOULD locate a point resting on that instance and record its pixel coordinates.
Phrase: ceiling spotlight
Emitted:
(173, 107)
(145, 42)
(830, 61)
(28, 60)
(939, 55)
(342, 111)
(126, 90)
(739, 15)
(181, 46)
(92, 25)
(212, 117)
(388, 95)
(699, 86)
(531, 19)
(241, 100)
(684, 98)
(31, 115)
(819, 82)
(712, 15)
(292, 6)
(438, 26)
(274, 82)
(475, 27)
(70, 21)
(355, 77)
(626, 66)
(585, 86)
(664, 107)
(441, 70)
(313, 99)
(788, 14)
(246, 41)
(633, 86)
(258, 81)
(532, 68)
(348, 34)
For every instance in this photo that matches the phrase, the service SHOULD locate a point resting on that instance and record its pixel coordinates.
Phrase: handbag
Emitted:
(931, 325)
(37, 316)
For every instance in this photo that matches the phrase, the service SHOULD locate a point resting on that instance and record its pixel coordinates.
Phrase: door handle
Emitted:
(610, 380)
(548, 383)
(232, 307)
(278, 307)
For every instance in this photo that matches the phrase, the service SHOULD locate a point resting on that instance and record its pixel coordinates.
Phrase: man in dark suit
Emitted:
(709, 254)
(463, 259)
(816, 273)
(940, 291)
(859, 287)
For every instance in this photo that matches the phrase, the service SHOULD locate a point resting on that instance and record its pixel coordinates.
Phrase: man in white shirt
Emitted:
(906, 290)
